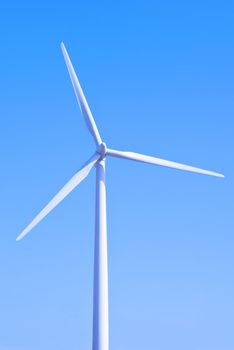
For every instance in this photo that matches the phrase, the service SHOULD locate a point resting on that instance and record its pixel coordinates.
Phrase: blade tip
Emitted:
(219, 175)
(21, 235)
(63, 48)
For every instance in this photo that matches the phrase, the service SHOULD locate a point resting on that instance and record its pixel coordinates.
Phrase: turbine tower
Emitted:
(100, 288)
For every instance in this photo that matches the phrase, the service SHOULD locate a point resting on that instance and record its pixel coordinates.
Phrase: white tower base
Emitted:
(100, 294)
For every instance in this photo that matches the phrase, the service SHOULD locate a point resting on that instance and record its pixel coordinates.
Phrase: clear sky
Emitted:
(158, 76)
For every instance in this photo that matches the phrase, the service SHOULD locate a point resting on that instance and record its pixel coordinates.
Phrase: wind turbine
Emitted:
(100, 288)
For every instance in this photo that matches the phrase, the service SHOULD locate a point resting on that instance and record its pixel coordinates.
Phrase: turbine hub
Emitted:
(102, 150)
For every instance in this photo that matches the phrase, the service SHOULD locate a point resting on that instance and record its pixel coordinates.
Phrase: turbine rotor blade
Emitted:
(70, 185)
(157, 161)
(84, 107)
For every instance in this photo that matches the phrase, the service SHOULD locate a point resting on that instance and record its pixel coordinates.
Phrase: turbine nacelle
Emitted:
(102, 150)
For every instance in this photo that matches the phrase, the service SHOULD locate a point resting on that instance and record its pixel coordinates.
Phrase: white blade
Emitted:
(85, 110)
(157, 161)
(70, 185)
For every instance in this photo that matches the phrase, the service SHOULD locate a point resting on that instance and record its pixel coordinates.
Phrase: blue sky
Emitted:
(159, 79)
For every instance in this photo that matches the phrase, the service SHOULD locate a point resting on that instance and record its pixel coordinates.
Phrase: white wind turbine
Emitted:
(100, 288)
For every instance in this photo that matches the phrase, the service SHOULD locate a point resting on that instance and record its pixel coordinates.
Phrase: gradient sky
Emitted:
(158, 76)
